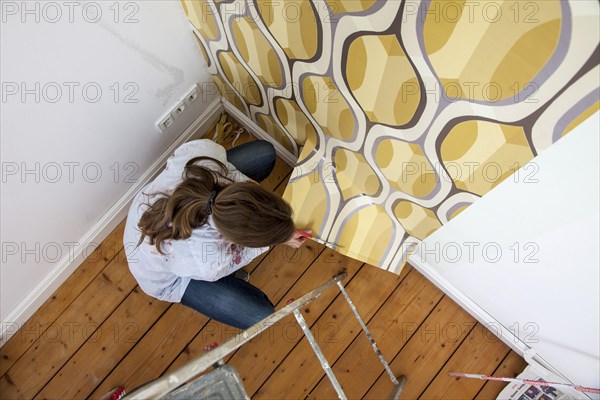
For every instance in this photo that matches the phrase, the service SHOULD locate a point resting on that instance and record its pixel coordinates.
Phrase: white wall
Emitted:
(547, 293)
(70, 139)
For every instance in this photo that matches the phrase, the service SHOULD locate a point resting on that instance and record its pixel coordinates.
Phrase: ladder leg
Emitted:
(319, 354)
(369, 336)
(398, 388)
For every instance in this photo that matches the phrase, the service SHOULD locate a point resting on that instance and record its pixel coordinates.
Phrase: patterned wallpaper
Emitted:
(402, 113)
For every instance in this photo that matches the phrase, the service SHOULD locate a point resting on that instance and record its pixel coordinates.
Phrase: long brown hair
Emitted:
(243, 212)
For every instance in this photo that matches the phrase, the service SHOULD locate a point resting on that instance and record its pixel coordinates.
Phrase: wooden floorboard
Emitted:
(511, 366)
(357, 369)
(155, 351)
(272, 348)
(295, 377)
(480, 351)
(47, 314)
(112, 341)
(428, 348)
(99, 331)
(70, 331)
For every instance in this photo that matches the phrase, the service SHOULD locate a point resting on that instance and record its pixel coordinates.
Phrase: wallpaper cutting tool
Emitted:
(318, 240)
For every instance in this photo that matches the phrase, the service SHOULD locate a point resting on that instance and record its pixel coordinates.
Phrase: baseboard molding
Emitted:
(43, 290)
(257, 131)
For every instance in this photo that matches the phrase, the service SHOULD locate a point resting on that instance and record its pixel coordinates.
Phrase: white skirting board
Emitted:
(257, 131)
(43, 290)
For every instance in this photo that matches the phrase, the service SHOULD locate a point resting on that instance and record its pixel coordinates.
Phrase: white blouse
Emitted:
(205, 255)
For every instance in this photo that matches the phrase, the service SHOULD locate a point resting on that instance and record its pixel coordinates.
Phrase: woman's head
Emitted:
(252, 216)
(244, 213)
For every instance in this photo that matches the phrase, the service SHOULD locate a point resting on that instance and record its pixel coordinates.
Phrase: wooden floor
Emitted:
(99, 331)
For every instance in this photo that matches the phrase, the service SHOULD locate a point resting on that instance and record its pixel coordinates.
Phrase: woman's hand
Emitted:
(297, 240)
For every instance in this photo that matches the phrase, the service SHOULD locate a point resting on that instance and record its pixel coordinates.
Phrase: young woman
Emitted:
(201, 220)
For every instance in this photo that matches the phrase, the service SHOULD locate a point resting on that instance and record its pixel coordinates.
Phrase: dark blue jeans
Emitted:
(253, 159)
(230, 300)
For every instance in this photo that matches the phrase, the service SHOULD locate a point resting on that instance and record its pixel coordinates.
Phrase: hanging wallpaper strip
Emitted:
(402, 113)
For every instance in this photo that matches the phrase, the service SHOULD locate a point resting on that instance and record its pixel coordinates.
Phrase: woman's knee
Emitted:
(264, 157)
(258, 314)
(266, 150)
(266, 310)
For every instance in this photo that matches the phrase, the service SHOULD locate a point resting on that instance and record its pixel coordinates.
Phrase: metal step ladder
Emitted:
(225, 383)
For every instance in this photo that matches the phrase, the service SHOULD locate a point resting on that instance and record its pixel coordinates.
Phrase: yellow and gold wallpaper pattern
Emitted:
(402, 113)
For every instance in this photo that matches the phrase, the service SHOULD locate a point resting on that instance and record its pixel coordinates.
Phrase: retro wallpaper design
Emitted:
(402, 113)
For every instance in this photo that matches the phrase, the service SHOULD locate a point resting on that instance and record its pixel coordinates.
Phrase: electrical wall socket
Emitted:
(169, 118)
(192, 94)
(166, 122)
(179, 108)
